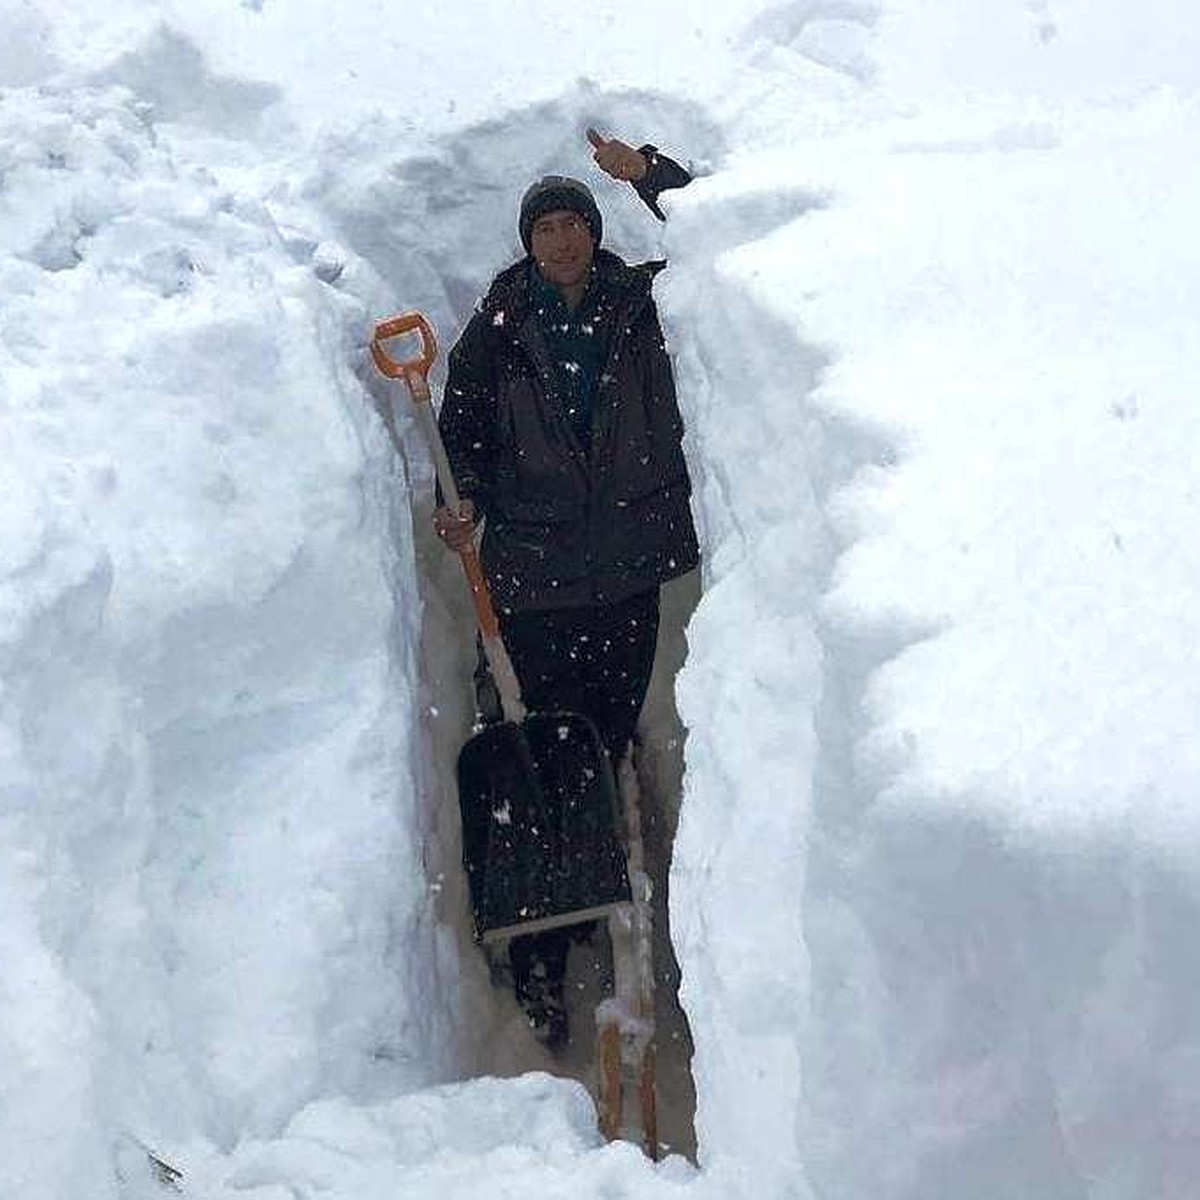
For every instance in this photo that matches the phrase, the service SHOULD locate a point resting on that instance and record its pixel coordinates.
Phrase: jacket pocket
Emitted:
(534, 559)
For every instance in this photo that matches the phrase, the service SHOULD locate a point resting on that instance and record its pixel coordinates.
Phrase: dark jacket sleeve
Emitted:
(468, 415)
(662, 175)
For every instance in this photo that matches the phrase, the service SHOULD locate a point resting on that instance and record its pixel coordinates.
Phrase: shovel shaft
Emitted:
(414, 372)
(485, 614)
(433, 439)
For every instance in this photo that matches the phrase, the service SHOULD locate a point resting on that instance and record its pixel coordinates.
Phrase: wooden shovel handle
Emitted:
(485, 614)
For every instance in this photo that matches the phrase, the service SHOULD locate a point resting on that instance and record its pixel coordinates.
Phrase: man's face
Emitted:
(562, 247)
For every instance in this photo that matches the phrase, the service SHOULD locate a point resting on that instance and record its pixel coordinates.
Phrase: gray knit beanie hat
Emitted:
(554, 192)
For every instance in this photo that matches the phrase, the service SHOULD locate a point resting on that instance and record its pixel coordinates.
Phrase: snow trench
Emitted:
(443, 272)
(752, 682)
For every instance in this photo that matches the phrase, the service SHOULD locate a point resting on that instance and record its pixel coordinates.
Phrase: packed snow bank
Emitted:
(750, 687)
(1010, 828)
(535, 1135)
(1034, 372)
(996, 761)
(212, 899)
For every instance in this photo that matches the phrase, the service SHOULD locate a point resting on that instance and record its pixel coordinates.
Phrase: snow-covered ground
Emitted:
(933, 305)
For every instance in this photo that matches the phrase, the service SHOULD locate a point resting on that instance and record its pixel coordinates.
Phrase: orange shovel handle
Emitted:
(413, 371)
(394, 327)
(485, 614)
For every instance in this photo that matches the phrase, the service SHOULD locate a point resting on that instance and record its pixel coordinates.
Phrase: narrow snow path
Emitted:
(493, 1038)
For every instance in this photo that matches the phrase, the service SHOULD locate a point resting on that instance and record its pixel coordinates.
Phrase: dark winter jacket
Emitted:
(568, 523)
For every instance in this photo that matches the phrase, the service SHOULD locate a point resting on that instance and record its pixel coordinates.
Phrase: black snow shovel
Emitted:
(536, 793)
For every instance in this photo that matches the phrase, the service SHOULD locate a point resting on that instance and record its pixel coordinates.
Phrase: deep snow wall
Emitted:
(209, 901)
(997, 289)
(1002, 866)
(749, 689)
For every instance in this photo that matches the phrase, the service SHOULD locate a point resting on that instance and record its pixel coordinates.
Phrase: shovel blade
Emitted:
(540, 822)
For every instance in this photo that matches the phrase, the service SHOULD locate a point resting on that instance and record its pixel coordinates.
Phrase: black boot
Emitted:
(539, 963)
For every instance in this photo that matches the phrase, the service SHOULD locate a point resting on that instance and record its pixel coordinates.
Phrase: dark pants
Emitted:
(596, 661)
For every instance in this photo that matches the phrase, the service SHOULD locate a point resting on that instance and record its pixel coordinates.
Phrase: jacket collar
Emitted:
(511, 302)
(514, 290)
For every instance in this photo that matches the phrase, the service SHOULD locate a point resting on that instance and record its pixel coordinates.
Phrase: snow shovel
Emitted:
(535, 791)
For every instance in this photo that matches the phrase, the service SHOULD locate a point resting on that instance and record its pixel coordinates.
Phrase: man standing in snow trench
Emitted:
(562, 428)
